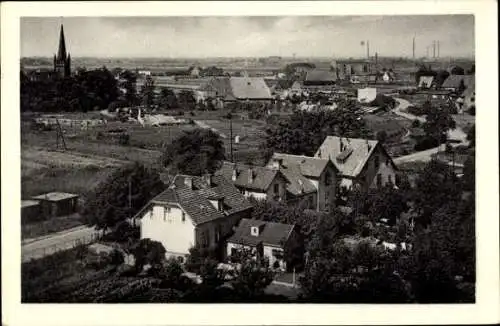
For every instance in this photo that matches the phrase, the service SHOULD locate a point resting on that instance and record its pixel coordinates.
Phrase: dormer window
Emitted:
(254, 231)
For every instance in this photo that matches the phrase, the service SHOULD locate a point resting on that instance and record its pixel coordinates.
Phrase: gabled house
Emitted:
(426, 82)
(231, 89)
(309, 179)
(275, 242)
(456, 82)
(255, 181)
(361, 162)
(193, 211)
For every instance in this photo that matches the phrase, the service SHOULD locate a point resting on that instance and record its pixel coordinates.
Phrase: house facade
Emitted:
(261, 183)
(193, 212)
(309, 179)
(362, 163)
(275, 242)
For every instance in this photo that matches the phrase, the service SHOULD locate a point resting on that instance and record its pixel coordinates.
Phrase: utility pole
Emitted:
(230, 116)
(413, 52)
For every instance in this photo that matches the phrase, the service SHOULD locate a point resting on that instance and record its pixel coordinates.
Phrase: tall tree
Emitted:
(195, 152)
(148, 92)
(303, 132)
(121, 195)
(167, 99)
(438, 122)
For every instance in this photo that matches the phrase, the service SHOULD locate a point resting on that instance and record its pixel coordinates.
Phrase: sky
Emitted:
(259, 36)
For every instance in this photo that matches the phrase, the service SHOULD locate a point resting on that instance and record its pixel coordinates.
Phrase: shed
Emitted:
(30, 211)
(57, 203)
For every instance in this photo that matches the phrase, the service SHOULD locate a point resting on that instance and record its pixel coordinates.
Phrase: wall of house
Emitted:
(281, 182)
(255, 194)
(237, 246)
(168, 227)
(271, 256)
(326, 193)
(370, 172)
(217, 230)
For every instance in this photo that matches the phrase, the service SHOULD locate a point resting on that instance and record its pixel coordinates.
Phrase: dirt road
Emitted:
(47, 245)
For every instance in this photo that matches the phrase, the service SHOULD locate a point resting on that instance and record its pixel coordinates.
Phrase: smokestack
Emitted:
(250, 175)
(434, 49)
(438, 48)
(413, 48)
(235, 174)
(376, 58)
(368, 49)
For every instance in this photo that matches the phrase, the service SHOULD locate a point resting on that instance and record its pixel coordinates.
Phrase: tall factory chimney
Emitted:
(438, 48)
(368, 49)
(433, 49)
(413, 48)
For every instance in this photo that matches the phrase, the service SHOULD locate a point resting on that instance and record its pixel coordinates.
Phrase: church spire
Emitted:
(61, 53)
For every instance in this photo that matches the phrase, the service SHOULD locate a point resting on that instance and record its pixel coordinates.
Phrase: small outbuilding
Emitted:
(30, 211)
(54, 204)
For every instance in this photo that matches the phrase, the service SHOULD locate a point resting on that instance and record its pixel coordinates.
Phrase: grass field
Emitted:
(56, 224)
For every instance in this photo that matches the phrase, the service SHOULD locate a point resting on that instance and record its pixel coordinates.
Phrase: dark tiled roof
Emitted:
(262, 176)
(318, 75)
(357, 158)
(453, 81)
(274, 234)
(309, 166)
(195, 201)
(297, 183)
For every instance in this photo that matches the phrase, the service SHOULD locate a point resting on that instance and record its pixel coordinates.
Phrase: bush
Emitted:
(472, 110)
(124, 139)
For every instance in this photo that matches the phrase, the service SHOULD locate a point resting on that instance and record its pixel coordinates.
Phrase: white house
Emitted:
(193, 211)
(268, 240)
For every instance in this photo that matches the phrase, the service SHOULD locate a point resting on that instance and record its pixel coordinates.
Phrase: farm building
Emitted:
(319, 77)
(455, 82)
(57, 203)
(231, 89)
(30, 210)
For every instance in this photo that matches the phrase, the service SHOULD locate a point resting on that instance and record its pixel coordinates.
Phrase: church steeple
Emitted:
(62, 60)
(61, 52)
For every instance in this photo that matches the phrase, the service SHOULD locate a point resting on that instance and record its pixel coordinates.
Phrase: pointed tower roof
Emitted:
(61, 52)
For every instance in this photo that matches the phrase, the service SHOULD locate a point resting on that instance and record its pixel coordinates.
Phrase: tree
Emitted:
(457, 70)
(303, 132)
(472, 70)
(441, 76)
(148, 252)
(471, 136)
(186, 100)
(148, 92)
(388, 203)
(129, 84)
(469, 177)
(195, 152)
(252, 278)
(435, 186)
(167, 99)
(438, 122)
(382, 136)
(109, 203)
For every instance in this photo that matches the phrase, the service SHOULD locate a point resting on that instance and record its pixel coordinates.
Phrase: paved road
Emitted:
(402, 105)
(43, 246)
(424, 156)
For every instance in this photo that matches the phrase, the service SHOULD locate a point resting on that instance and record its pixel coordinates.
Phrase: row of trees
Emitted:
(85, 91)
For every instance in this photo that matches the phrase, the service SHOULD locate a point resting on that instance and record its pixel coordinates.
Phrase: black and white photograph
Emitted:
(248, 159)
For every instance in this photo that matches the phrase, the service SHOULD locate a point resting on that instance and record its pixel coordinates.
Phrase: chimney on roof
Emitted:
(250, 175)
(188, 182)
(207, 178)
(341, 144)
(256, 230)
(368, 146)
(301, 184)
(235, 173)
(277, 163)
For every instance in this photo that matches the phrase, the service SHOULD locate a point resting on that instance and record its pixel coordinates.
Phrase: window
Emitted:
(379, 180)
(276, 188)
(377, 161)
(328, 177)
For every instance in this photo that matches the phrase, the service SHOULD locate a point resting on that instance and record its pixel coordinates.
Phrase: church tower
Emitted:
(62, 61)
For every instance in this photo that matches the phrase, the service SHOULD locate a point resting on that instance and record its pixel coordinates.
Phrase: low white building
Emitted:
(193, 212)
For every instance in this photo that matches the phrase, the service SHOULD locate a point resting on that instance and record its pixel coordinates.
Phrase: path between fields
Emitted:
(47, 245)
(203, 125)
(424, 156)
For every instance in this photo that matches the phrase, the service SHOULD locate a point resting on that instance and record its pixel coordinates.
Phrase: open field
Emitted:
(70, 180)
(56, 224)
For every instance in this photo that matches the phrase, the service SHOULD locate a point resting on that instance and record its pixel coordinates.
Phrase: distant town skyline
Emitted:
(285, 36)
